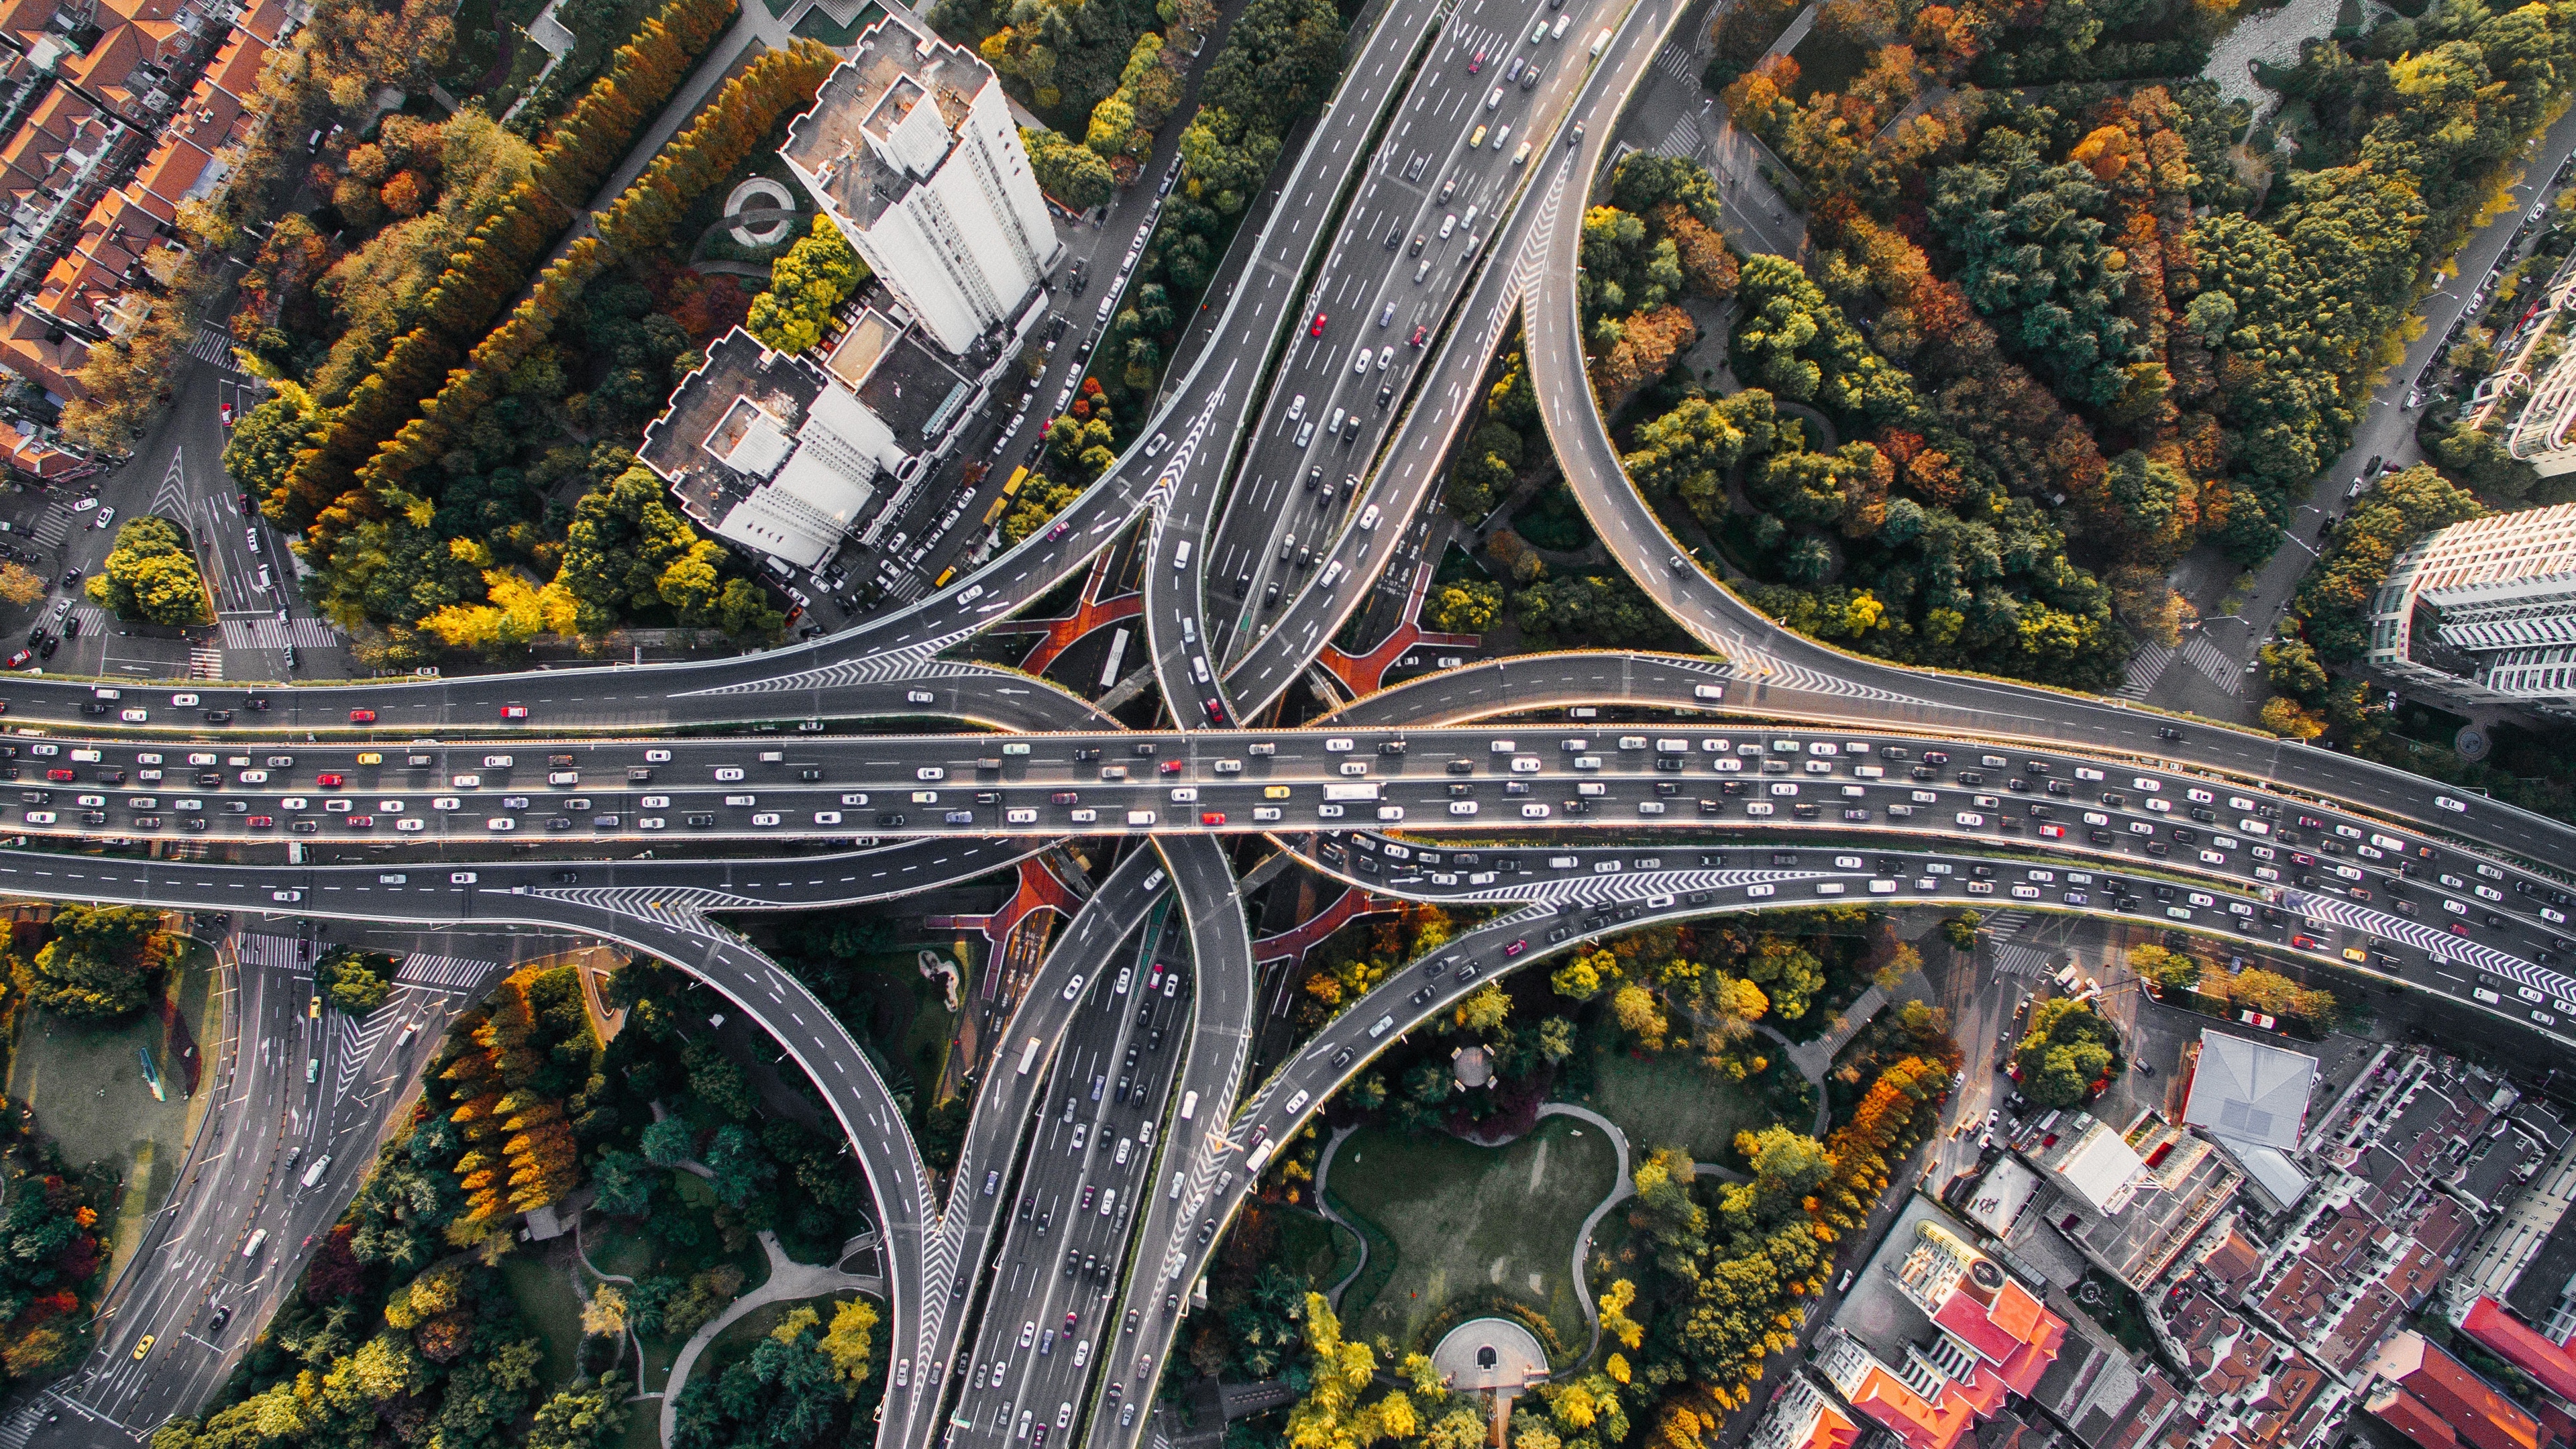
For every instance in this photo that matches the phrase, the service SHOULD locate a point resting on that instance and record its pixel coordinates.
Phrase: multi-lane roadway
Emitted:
(1107, 1125)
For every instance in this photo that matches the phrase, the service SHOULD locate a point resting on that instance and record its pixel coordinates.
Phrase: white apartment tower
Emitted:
(2485, 612)
(911, 150)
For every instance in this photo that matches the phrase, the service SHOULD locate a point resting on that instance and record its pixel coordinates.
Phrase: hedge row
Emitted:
(572, 159)
(721, 139)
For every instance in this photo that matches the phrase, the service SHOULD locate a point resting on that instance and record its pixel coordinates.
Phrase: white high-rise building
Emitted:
(2485, 611)
(911, 150)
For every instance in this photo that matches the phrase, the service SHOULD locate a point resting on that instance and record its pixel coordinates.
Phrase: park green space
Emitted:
(86, 1084)
(1464, 1220)
(1670, 1100)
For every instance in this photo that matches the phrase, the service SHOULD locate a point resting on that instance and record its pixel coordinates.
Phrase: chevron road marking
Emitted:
(2145, 667)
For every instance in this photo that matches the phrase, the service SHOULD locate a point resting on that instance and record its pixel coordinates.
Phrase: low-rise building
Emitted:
(2437, 1401)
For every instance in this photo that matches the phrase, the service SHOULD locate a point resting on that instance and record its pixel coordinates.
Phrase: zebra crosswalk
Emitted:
(214, 345)
(271, 633)
(205, 661)
(2145, 668)
(2212, 663)
(449, 973)
(2020, 961)
(1684, 138)
(55, 525)
(2002, 925)
(1679, 62)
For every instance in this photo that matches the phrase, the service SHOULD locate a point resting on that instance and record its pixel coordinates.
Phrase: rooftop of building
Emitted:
(2250, 1091)
(894, 69)
(718, 406)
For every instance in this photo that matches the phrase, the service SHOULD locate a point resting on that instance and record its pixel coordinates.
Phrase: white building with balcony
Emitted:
(911, 150)
(2484, 612)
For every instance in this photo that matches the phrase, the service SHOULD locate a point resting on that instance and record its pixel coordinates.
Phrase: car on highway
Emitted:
(1316, 327)
(514, 711)
(362, 716)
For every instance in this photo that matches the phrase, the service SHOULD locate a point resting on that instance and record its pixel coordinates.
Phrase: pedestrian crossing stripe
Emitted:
(453, 972)
(215, 346)
(271, 633)
(2212, 663)
(2146, 667)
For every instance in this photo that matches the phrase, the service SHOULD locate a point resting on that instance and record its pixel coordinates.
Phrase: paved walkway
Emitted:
(1324, 1207)
(788, 1280)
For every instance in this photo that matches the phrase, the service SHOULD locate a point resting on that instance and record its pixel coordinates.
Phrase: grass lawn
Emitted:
(1322, 1251)
(909, 1017)
(1472, 1220)
(1671, 1100)
(1826, 63)
(86, 1083)
(547, 1297)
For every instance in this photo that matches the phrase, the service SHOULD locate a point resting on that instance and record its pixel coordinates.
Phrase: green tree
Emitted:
(1961, 930)
(151, 575)
(805, 286)
(2065, 1049)
(101, 962)
(1071, 173)
(591, 1413)
(356, 981)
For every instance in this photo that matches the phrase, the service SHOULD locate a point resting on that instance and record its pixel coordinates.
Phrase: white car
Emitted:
(411, 825)
(1462, 807)
(2447, 803)
(649, 822)
(1084, 816)
(1533, 812)
(1337, 746)
(765, 817)
(446, 802)
(1971, 820)
(919, 696)
(1759, 891)
(1009, 817)
(40, 817)
(1264, 814)
(389, 807)
(501, 823)
(133, 716)
(1525, 764)
(184, 701)
(926, 772)
(827, 817)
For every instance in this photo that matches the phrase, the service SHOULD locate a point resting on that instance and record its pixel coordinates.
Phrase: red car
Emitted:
(1476, 64)
(514, 711)
(327, 781)
(1316, 328)
(19, 659)
(1419, 333)
(362, 716)
(1211, 817)
(1215, 710)
(2304, 943)
(2458, 930)
(1517, 947)
(61, 776)
(360, 822)
(1171, 767)
(263, 822)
